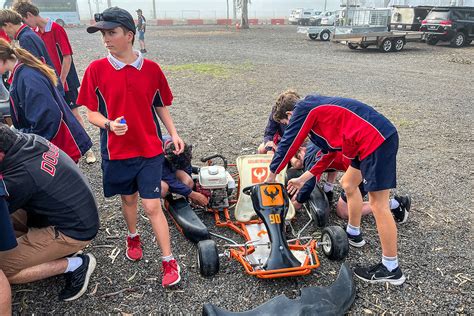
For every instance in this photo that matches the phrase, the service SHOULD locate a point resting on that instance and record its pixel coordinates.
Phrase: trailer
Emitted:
(313, 32)
(365, 27)
(388, 41)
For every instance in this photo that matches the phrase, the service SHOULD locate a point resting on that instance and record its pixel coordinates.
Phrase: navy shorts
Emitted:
(379, 169)
(125, 177)
(141, 35)
(71, 97)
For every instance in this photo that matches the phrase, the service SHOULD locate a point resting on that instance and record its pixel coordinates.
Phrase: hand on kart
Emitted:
(198, 198)
(178, 144)
(270, 146)
(118, 128)
(271, 178)
(295, 185)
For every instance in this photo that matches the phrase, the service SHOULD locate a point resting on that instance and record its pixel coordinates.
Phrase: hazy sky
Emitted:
(209, 9)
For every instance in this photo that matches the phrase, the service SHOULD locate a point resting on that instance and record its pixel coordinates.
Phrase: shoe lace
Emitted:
(134, 242)
(169, 267)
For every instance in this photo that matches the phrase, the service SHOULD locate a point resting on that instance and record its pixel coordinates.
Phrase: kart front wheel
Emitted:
(334, 241)
(208, 258)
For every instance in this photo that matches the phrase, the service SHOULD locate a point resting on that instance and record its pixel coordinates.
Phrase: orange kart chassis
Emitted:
(239, 253)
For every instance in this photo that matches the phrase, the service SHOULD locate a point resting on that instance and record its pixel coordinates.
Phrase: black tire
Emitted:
(468, 42)
(352, 46)
(432, 40)
(337, 246)
(61, 22)
(386, 45)
(398, 44)
(363, 46)
(313, 36)
(208, 258)
(325, 35)
(459, 40)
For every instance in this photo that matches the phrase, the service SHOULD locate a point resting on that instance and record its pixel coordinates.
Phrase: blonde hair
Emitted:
(8, 52)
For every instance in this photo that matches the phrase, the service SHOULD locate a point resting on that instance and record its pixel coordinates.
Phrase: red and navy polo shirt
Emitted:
(115, 89)
(4, 35)
(57, 43)
(333, 124)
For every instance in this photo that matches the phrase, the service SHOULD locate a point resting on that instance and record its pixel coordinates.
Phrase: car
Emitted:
(301, 16)
(449, 24)
(406, 18)
(4, 105)
(323, 18)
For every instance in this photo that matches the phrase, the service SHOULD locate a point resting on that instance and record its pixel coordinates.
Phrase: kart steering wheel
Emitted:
(248, 190)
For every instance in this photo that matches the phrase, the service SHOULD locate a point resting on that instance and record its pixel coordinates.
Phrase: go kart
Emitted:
(261, 212)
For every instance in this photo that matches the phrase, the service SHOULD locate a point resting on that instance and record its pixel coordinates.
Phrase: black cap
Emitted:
(111, 18)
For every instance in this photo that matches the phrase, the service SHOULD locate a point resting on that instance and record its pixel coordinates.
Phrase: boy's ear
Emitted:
(289, 113)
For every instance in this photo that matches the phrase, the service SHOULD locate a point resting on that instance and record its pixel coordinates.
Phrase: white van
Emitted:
(300, 16)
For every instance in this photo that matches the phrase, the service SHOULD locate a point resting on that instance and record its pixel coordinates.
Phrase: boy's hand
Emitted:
(271, 178)
(178, 144)
(118, 128)
(295, 185)
(198, 198)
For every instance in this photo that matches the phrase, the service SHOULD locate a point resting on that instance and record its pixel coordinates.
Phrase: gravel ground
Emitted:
(225, 82)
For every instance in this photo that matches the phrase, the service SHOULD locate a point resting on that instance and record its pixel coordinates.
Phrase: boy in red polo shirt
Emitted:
(126, 95)
(60, 51)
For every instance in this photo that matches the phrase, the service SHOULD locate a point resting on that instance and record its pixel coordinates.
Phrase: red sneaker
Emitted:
(134, 248)
(170, 270)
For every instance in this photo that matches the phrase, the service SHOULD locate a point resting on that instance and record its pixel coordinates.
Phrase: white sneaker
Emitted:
(90, 157)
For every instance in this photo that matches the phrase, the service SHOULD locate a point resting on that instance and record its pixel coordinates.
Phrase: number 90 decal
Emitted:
(275, 219)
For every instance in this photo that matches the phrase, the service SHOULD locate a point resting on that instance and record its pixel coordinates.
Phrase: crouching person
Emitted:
(53, 212)
(176, 177)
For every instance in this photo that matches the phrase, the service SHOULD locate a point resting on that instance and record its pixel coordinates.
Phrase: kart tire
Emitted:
(325, 35)
(337, 246)
(313, 36)
(208, 258)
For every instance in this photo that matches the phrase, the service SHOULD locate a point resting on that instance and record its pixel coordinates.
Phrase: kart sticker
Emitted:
(271, 195)
(259, 174)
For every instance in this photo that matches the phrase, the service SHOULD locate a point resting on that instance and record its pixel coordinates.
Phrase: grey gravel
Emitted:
(427, 91)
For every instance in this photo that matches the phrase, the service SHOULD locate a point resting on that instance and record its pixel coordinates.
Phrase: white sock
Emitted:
(133, 235)
(73, 263)
(394, 204)
(391, 263)
(353, 230)
(328, 187)
(167, 258)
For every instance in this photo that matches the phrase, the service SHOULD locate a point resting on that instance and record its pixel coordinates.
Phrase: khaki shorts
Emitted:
(36, 246)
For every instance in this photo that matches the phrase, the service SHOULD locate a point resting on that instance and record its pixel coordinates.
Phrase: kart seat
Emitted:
(253, 169)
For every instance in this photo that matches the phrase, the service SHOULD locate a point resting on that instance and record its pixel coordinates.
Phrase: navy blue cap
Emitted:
(111, 18)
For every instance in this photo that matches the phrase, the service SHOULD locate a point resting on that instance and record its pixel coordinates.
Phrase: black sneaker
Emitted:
(330, 196)
(400, 214)
(77, 281)
(355, 240)
(379, 273)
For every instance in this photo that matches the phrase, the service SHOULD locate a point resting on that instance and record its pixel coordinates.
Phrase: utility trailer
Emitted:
(313, 32)
(365, 27)
(388, 41)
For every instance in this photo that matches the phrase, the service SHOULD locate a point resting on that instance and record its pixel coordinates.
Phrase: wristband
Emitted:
(107, 125)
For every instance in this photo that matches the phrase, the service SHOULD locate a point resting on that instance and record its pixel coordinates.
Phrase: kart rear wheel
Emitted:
(208, 258)
(335, 244)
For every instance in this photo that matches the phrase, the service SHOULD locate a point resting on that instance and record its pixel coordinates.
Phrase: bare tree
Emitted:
(243, 6)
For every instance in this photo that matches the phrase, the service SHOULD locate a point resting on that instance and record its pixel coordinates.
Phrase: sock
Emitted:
(133, 235)
(73, 263)
(167, 258)
(391, 263)
(328, 187)
(394, 204)
(353, 230)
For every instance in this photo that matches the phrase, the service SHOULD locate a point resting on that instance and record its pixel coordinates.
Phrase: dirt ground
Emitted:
(225, 82)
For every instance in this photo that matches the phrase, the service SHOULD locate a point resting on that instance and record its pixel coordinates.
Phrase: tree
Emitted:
(243, 6)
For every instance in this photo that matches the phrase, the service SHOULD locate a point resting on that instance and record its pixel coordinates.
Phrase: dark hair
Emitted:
(9, 16)
(126, 30)
(25, 6)
(285, 102)
(181, 161)
(8, 52)
(7, 138)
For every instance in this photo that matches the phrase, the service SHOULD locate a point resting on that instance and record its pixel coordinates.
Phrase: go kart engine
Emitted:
(219, 185)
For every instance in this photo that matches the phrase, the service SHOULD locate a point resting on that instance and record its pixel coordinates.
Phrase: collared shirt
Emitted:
(118, 65)
(115, 89)
(30, 41)
(58, 45)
